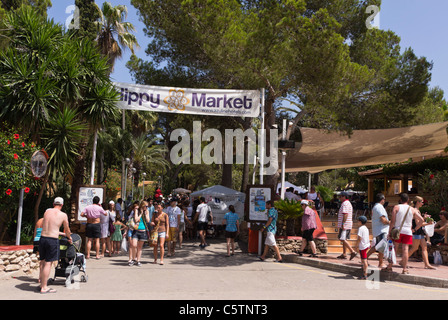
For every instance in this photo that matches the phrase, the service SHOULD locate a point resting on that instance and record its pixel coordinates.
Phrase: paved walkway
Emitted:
(417, 273)
(195, 274)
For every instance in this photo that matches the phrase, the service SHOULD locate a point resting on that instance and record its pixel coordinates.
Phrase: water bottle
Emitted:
(389, 254)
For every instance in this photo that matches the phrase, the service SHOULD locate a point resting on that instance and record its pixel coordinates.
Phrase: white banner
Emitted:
(212, 102)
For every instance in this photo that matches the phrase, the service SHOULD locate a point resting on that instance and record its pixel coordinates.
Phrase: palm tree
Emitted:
(43, 73)
(147, 155)
(114, 34)
(61, 137)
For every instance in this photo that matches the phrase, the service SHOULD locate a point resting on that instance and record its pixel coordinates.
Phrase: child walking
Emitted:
(363, 243)
(117, 236)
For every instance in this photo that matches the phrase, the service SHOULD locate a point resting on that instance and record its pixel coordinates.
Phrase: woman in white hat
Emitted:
(308, 227)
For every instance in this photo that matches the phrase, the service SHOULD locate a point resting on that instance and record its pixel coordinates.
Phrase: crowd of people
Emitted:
(163, 223)
(405, 228)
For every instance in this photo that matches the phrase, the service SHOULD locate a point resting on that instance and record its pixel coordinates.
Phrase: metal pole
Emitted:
(282, 193)
(263, 138)
(143, 185)
(92, 169)
(255, 169)
(123, 163)
(19, 218)
(261, 159)
(20, 212)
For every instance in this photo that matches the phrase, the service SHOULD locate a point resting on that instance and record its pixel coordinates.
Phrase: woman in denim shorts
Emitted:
(139, 236)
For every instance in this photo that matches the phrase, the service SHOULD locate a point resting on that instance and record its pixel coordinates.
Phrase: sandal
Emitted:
(50, 290)
(342, 256)
(405, 271)
(387, 269)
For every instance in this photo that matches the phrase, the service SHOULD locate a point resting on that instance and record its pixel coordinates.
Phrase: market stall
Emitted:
(219, 198)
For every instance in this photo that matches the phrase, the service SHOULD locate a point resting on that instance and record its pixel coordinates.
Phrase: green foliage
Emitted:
(326, 193)
(15, 173)
(435, 184)
(288, 209)
(61, 137)
(420, 167)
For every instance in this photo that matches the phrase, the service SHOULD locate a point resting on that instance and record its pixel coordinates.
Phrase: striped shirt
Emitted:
(346, 209)
(231, 221)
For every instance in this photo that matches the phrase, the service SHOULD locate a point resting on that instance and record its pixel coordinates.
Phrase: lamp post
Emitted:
(127, 161)
(284, 148)
(20, 212)
(132, 189)
(143, 185)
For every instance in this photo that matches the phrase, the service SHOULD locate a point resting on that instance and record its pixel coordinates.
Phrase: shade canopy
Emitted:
(321, 150)
(217, 191)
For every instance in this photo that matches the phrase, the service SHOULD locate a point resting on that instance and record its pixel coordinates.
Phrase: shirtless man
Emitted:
(93, 227)
(49, 241)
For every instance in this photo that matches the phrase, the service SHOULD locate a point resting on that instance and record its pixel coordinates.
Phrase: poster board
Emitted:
(256, 197)
(85, 196)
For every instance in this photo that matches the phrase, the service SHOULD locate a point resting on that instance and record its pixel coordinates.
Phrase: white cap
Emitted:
(304, 202)
(111, 202)
(59, 201)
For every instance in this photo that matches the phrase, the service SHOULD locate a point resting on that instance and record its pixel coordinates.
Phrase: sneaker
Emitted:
(139, 264)
(131, 263)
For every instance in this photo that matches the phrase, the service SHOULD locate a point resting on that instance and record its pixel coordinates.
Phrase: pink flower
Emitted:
(8, 192)
(431, 176)
(23, 144)
(27, 190)
(16, 156)
(9, 142)
(16, 136)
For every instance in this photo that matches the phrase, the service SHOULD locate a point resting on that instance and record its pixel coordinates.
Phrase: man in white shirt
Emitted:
(202, 212)
(345, 224)
(289, 194)
(380, 225)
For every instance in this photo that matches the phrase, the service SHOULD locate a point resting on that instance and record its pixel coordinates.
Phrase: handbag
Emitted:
(131, 224)
(154, 236)
(395, 233)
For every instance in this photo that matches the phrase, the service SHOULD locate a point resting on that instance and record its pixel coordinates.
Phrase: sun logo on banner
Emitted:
(176, 100)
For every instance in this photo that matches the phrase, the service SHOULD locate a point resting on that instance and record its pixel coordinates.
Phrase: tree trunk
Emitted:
(245, 178)
(39, 198)
(226, 179)
(270, 180)
(78, 179)
(92, 168)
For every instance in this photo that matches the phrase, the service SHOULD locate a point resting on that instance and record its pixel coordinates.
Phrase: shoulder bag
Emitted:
(395, 234)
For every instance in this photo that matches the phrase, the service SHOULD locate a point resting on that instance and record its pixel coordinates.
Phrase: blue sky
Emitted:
(421, 25)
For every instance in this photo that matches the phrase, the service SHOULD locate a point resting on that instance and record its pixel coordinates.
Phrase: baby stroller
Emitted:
(71, 261)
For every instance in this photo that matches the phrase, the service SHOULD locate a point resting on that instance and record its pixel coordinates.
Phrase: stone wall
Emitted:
(293, 244)
(18, 260)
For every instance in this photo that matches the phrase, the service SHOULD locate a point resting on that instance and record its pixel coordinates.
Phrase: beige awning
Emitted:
(321, 150)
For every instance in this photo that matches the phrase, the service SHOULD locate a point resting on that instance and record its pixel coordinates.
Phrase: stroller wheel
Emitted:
(84, 278)
(50, 281)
